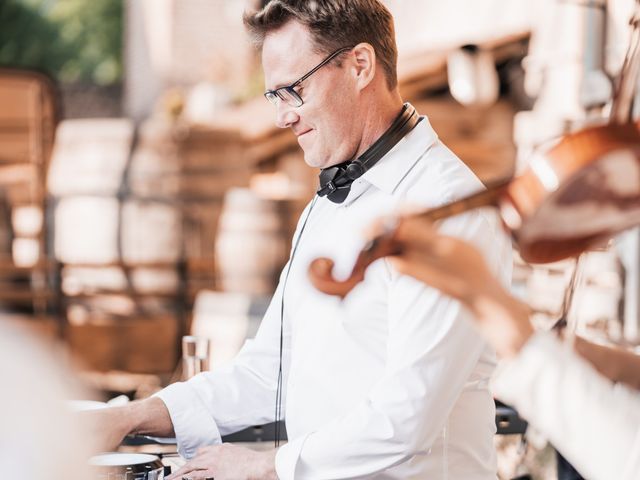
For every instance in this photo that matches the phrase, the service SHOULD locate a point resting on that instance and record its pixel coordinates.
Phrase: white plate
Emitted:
(119, 459)
(84, 405)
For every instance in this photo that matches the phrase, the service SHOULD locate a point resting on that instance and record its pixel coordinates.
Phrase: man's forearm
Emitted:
(150, 417)
(110, 425)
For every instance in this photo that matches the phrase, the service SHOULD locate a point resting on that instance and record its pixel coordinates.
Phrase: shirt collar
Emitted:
(394, 166)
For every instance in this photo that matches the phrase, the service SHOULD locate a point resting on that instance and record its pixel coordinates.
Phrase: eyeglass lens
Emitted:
(286, 94)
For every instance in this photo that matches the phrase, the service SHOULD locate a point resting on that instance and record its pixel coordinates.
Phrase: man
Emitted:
(573, 395)
(392, 382)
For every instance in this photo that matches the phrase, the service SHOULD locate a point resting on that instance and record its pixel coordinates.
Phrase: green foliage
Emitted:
(74, 40)
(29, 39)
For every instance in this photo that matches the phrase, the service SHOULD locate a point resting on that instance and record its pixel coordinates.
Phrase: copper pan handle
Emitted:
(321, 269)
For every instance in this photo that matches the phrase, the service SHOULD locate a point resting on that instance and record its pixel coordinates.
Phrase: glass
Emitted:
(195, 356)
(288, 93)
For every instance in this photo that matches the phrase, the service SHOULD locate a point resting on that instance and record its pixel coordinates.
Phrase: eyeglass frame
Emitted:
(272, 95)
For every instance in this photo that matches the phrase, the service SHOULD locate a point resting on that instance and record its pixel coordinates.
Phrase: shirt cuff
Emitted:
(192, 423)
(287, 458)
(513, 376)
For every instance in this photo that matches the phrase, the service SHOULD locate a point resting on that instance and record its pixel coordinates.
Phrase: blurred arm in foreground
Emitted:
(40, 437)
(569, 393)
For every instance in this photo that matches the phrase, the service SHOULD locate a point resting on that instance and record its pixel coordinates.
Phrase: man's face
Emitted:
(324, 124)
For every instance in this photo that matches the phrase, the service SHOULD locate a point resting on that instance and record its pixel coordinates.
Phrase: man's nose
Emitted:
(285, 115)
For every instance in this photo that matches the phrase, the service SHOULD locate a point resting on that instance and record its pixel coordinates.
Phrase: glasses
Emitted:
(288, 93)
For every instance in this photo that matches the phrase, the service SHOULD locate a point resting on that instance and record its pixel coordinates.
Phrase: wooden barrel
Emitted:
(250, 248)
(193, 167)
(101, 231)
(98, 221)
(89, 157)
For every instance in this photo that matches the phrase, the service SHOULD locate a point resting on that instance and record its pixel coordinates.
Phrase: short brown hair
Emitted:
(334, 24)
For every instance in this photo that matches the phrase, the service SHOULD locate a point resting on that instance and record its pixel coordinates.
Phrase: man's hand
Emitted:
(229, 462)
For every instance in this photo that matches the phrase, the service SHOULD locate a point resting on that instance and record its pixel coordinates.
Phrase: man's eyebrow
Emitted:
(280, 85)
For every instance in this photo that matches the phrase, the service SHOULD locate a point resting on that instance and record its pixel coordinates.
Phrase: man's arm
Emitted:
(199, 411)
(111, 425)
(211, 404)
(232, 397)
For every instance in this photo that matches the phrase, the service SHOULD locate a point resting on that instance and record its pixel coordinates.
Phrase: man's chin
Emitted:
(313, 161)
(319, 161)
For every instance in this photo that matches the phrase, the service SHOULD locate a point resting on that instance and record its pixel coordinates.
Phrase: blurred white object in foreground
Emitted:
(39, 438)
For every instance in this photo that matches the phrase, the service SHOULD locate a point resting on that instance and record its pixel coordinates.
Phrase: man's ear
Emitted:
(365, 64)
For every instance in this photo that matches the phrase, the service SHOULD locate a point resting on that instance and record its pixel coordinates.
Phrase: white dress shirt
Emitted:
(594, 423)
(390, 383)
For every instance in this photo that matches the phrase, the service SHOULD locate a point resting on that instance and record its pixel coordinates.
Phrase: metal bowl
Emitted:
(126, 466)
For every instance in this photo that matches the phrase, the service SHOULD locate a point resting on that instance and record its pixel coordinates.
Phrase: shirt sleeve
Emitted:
(242, 394)
(432, 351)
(237, 396)
(233, 397)
(594, 423)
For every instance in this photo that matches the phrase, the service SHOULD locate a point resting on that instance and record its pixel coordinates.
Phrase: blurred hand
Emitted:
(449, 264)
(229, 462)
